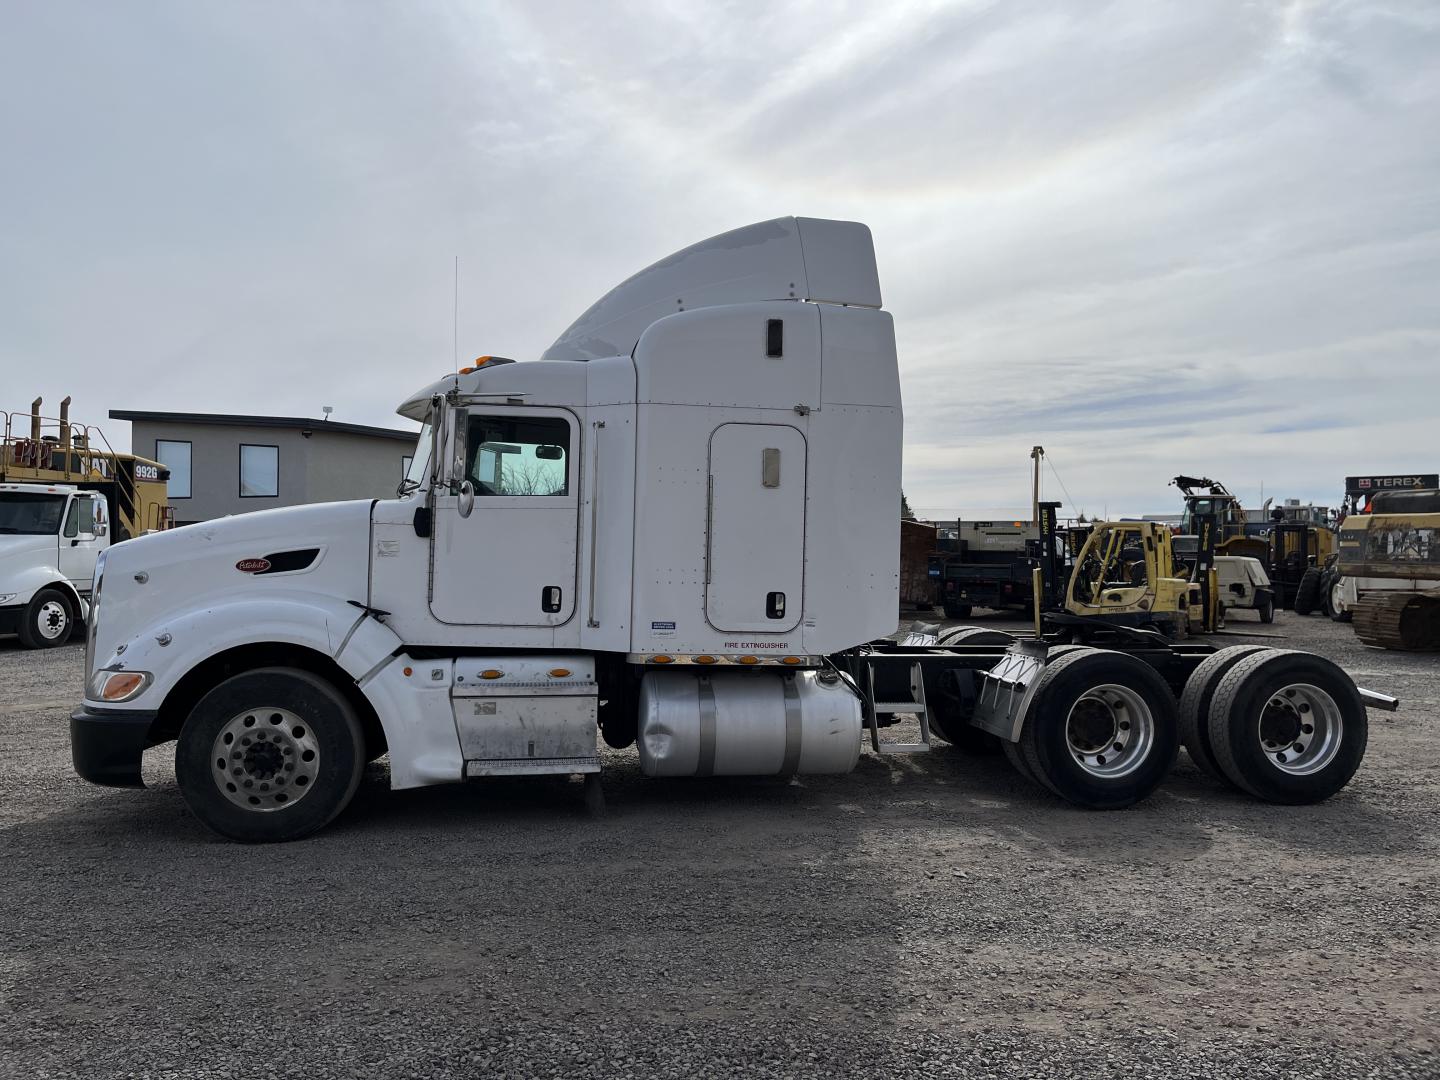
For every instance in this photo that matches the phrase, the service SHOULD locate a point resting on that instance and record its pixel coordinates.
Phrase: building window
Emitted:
(259, 471)
(175, 456)
(519, 455)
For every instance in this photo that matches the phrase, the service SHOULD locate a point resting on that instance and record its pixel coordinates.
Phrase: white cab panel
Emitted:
(721, 356)
(756, 547)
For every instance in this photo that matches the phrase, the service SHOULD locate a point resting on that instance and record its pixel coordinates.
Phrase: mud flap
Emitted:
(1007, 689)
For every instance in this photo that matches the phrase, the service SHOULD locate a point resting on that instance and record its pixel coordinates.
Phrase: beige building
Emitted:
(222, 464)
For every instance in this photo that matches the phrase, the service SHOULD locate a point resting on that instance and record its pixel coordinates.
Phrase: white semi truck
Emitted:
(50, 538)
(679, 529)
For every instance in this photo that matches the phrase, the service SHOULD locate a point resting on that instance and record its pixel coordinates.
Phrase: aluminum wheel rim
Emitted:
(265, 759)
(54, 620)
(1337, 596)
(1109, 731)
(1300, 729)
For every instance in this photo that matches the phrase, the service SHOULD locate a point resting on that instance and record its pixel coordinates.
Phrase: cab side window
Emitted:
(81, 518)
(518, 455)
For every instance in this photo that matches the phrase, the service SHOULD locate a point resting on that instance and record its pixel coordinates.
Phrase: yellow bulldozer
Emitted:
(1390, 562)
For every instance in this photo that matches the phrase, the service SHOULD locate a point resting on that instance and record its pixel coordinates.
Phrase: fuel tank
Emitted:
(734, 723)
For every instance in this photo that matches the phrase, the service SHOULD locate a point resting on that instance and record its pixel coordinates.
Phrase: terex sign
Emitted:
(1368, 485)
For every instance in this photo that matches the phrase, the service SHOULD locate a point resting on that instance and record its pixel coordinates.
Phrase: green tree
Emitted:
(906, 514)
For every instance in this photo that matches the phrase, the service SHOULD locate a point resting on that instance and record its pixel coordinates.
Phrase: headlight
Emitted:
(113, 686)
(6, 597)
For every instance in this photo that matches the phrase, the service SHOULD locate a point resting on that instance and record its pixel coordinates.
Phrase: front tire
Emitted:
(47, 620)
(270, 755)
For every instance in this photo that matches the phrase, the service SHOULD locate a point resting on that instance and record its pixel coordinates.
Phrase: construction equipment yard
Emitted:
(928, 915)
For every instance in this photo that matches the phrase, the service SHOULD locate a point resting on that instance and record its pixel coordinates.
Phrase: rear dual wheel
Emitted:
(1100, 731)
(1287, 727)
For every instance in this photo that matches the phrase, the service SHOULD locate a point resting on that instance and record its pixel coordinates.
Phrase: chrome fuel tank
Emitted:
(732, 723)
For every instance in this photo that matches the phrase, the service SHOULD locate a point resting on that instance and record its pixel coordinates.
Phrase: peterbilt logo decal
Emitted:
(253, 566)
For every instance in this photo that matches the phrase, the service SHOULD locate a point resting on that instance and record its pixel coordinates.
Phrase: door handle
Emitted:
(550, 598)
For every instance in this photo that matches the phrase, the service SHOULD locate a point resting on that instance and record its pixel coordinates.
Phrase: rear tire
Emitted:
(1267, 611)
(1308, 593)
(1101, 729)
(1288, 727)
(270, 755)
(1195, 706)
(47, 621)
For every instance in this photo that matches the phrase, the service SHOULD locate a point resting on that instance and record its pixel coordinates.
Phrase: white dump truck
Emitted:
(679, 528)
(50, 538)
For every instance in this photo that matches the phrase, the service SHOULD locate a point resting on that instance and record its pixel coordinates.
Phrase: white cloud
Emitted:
(1153, 238)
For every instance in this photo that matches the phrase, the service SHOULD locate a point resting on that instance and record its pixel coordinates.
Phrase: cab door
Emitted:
(79, 541)
(511, 562)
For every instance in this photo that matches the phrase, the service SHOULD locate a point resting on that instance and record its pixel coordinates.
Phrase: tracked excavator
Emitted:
(1392, 556)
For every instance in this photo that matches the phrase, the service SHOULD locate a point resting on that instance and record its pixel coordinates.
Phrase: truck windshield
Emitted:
(30, 513)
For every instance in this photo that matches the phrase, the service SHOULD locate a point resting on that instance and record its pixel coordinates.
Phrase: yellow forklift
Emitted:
(36, 449)
(1126, 581)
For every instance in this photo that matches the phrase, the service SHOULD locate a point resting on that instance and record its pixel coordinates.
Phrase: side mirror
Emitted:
(100, 528)
(466, 502)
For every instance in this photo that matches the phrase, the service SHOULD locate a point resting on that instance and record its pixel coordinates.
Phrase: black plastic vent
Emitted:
(774, 337)
(287, 561)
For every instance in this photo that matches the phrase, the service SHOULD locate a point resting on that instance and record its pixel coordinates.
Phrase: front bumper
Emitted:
(10, 618)
(106, 744)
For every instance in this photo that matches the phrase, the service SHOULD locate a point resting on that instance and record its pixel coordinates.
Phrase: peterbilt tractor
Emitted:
(677, 529)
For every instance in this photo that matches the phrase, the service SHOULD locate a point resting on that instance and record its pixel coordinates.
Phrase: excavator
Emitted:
(1391, 558)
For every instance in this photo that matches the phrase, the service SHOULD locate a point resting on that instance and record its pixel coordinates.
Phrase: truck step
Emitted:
(876, 709)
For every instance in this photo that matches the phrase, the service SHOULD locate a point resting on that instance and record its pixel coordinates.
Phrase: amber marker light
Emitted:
(792, 660)
(748, 660)
(704, 659)
(409, 672)
(560, 673)
(123, 685)
(491, 673)
(662, 659)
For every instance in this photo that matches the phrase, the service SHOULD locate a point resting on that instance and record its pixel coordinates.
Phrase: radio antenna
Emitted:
(456, 345)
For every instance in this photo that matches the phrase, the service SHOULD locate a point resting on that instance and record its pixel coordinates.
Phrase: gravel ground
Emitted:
(924, 916)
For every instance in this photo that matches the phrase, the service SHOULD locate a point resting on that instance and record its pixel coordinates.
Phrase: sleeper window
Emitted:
(518, 455)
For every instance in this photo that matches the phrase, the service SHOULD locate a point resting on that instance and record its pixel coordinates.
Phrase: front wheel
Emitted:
(47, 620)
(1335, 605)
(268, 755)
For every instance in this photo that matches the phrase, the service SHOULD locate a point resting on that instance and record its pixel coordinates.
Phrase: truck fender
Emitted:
(32, 579)
(414, 713)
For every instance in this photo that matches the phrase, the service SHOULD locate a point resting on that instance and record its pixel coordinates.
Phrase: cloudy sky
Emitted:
(1154, 237)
